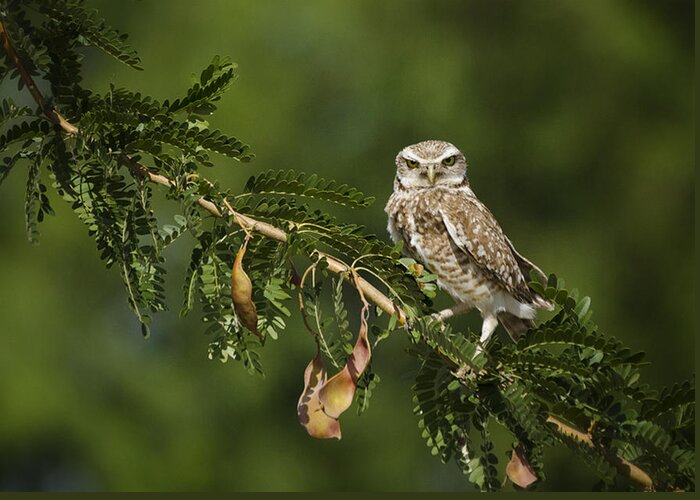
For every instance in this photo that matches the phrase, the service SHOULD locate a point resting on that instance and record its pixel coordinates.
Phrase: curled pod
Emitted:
(309, 409)
(337, 393)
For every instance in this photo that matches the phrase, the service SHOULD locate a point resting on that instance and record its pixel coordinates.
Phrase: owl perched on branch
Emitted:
(443, 225)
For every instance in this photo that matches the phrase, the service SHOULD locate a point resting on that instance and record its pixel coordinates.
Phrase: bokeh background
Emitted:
(577, 121)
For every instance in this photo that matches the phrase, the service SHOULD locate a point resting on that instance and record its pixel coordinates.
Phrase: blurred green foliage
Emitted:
(576, 119)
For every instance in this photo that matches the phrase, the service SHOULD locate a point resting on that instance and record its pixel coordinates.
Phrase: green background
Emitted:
(577, 121)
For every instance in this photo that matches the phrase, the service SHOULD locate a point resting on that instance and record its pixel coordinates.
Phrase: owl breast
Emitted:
(415, 219)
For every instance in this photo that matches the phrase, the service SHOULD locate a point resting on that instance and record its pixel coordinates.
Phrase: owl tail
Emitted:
(516, 327)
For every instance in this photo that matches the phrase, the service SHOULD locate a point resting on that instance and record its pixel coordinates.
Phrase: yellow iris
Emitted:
(449, 161)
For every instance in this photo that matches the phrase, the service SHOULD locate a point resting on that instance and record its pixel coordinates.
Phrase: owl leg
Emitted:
(455, 310)
(487, 328)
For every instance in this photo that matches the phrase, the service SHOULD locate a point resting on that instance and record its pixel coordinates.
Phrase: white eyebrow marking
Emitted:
(451, 151)
(406, 153)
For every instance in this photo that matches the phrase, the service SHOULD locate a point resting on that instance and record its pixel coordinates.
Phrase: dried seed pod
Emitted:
(242, 292)
(309, 410)
(519, 471)
(336, 394)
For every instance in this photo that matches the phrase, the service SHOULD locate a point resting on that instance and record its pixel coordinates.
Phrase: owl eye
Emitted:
(449, 161)
(412, 163)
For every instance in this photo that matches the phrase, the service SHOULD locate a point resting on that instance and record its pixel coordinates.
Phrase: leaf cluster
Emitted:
(563, 369)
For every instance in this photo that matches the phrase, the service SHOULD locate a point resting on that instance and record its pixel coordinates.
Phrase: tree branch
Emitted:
(50, 112)
(624, 467)
(270, 231)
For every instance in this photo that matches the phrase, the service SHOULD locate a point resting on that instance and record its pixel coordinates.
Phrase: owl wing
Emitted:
(527, 266)
(474, 230)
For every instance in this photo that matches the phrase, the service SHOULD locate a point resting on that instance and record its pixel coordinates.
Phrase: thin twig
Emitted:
(49, 111)
(317, 334)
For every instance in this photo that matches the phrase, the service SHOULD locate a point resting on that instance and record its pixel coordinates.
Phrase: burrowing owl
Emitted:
(443, 225)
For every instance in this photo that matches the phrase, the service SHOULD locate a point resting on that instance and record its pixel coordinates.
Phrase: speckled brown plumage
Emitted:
(443, 225)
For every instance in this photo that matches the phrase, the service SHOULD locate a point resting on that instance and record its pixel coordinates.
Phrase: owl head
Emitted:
(430, 163)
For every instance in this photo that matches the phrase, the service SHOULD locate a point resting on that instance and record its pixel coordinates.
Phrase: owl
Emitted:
(443, 225)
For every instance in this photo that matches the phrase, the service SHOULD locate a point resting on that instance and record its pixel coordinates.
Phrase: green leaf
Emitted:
(213, 82)
(93, 30)
(670, 398)
(291, 183)
(9, 111)
(23, 131)
(32, 204)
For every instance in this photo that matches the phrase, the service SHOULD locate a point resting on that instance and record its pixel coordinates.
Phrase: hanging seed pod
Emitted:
(519, 471)
(336, 394)
(309, 410)
(242, 292)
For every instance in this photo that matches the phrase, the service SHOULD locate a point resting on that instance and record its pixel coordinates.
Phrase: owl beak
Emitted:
(431, 174)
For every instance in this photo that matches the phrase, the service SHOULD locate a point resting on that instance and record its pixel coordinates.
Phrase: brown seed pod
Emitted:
(336, 395)
(242, 292)
(519, 471)
(309, 410)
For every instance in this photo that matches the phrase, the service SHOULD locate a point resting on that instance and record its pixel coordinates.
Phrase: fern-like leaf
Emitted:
(23, 131)
(670, 398)
(94, 31)
(214, 80)
(291, 183)
(9, 111)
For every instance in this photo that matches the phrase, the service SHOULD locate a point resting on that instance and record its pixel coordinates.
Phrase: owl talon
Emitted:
(487, 328)
(443, 315)
(448, 313)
